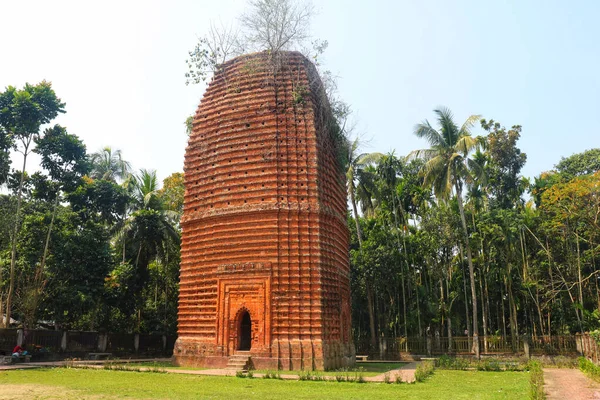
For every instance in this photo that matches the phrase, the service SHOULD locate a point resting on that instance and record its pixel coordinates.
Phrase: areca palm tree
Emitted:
(367, 191)
(108, 164)
(356, 162)
(149, 231)
(447, 168)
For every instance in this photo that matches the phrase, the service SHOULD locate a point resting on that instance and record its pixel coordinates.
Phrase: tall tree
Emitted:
(356, 162)
(65, 159)
(447, 168)
(22, 113)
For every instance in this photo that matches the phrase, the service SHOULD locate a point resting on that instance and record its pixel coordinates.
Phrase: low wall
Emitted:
(588, 347)
(48, 344)
(398, 348)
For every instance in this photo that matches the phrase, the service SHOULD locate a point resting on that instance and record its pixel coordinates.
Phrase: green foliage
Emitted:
(589, 368)
(6, 144)
(271, 375)
(585, 163)
(489, 365)
(457, 363)
(505, 163)
(108, 164)
(24, 111)
(424, 370)
(240, 374)
(536, 381)
(172, 192)
(596, 335)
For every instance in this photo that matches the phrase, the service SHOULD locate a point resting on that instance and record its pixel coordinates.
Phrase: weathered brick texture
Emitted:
(264, 224)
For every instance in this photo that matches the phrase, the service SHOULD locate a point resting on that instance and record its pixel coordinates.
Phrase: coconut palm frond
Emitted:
(466, 127)
(423, 154)
(424, 130)
(477, 171)
(368, 158)
(449, 130)
(465, 145)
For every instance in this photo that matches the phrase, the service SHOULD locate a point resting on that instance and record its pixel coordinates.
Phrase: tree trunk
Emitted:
(367, 284)
(579, 280)
(483, 315)
(462, 268)
(449, 318)
(471, 271)
(13, 251)
(503, 313)
(405, 262)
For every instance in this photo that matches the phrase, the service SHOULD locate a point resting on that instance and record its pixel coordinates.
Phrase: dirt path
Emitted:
(572, 384)
(406, 373)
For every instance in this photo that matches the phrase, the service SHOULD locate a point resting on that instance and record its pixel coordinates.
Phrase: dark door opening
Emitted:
(245, 332)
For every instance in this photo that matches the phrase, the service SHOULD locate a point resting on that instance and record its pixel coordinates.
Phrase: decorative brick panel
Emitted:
(264, 223)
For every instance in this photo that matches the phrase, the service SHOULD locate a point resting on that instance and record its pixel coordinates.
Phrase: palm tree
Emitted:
(356, 162)
(109, 165)
(447, 168)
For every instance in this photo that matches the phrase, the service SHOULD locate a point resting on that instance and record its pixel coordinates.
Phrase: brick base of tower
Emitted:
(290, 355)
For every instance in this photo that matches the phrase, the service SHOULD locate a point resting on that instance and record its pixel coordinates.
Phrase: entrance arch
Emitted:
(244, 331)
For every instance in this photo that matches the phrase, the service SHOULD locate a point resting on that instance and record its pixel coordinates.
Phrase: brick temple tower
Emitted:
(264, 254)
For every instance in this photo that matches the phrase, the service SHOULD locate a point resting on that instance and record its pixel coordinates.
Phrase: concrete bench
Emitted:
(99, 356)
(15, 359)
(361, 358)
(5, 360)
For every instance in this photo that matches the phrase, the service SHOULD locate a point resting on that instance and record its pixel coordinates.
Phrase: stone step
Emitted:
(238, 362)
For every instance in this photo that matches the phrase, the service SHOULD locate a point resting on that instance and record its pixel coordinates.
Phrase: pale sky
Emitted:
(120, 65)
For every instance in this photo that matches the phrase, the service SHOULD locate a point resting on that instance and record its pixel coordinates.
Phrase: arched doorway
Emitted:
(245, 332)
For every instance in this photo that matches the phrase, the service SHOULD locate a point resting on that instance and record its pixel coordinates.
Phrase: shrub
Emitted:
(447, 362)
(386, 378)
(589, 368)
(489, 365)
(305, 376)
(240, 374)
(536, 381)
(424, 370)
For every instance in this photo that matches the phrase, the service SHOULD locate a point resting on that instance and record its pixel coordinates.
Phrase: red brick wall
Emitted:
(264, 225)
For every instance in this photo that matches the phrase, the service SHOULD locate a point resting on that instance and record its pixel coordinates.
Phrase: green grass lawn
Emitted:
(155, 364)
(66, 383)
(364, 369)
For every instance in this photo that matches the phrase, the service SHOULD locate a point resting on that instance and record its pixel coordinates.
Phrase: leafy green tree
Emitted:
(22, 113)
(172, 192)
(579, 164)
(448, 167)
(64, 157)
(505, 163)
